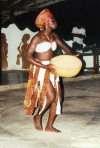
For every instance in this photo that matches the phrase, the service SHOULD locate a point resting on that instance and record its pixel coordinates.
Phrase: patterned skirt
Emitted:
(36, 89)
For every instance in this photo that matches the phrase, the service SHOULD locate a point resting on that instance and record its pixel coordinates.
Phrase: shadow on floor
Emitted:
(20, 76)
(14, 77)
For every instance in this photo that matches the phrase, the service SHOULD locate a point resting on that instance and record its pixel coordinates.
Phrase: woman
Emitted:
(43, 85)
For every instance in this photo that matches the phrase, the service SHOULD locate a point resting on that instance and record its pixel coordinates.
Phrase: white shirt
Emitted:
(76, 30)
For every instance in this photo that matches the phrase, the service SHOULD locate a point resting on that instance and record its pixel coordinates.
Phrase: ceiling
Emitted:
(10, 8)
(66, 12)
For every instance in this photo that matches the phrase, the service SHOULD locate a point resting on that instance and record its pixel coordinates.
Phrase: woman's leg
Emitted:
(50, 94)
(52, 114)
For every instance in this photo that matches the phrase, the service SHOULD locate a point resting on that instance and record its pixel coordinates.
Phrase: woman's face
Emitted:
(52, 23)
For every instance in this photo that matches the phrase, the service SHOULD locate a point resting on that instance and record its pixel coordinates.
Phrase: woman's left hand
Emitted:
(76, 55)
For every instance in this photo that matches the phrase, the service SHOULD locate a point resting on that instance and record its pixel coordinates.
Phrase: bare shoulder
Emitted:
(35, 39)
(55, 35)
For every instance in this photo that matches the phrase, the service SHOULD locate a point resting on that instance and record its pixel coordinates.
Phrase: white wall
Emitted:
(14, 37)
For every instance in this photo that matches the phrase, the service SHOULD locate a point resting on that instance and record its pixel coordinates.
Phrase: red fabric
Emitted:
(42, 18)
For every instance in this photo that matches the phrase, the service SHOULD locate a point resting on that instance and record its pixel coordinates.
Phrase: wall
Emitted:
(14, 37)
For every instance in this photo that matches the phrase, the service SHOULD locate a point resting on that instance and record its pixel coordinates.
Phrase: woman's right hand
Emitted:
(50, 67)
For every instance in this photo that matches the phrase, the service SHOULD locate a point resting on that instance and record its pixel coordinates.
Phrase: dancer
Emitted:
(43, 88)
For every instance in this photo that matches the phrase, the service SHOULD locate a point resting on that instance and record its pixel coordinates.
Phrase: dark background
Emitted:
(68, 14)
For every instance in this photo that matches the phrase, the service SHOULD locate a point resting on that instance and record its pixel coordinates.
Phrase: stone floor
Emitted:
(79, 122)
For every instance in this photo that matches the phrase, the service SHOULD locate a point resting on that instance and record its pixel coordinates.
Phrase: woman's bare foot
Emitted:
(37, 122)
(52, 129)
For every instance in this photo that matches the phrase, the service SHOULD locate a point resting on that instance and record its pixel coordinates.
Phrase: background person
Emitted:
(79, 33)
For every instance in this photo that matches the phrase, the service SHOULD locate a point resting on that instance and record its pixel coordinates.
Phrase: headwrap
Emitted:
(42, 18)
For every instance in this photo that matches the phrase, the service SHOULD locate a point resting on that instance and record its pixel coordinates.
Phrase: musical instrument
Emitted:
(66, 65)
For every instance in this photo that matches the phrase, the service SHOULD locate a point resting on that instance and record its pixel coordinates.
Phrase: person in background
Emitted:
(78, 33)
(43, 90)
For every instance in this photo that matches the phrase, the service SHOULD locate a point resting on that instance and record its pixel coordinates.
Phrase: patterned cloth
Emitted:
(42, 18)
(35, 94)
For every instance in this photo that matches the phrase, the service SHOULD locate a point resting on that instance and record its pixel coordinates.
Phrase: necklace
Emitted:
(50, 40)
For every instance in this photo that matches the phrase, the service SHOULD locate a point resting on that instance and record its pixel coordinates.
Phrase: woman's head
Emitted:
(44, 18)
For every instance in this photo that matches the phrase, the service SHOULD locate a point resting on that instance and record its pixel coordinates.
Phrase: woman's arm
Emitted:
(62, 45)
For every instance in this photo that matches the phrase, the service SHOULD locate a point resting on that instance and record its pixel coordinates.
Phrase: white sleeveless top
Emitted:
(45, 46)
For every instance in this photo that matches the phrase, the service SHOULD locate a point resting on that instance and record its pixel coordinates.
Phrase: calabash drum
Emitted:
(66, 65)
